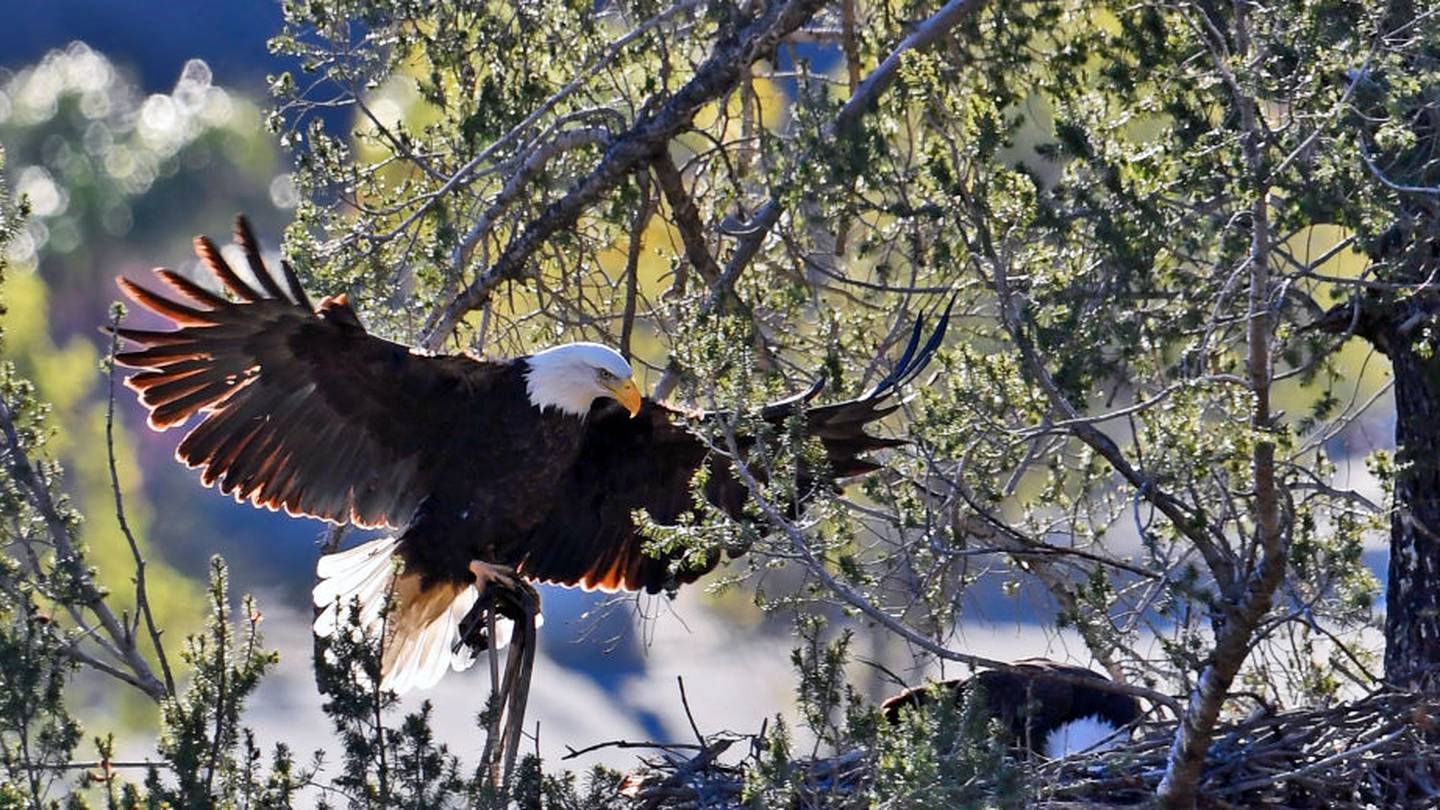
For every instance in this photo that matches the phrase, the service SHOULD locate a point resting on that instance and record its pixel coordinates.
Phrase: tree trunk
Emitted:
(1412, 593)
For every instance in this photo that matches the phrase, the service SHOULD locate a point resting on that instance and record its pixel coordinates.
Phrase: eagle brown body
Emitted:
(303, 410)
(1030, 707)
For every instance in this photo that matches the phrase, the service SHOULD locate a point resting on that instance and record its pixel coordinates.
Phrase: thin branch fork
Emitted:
(572, 753)
(1019, 547)
(511, 190)
(692, 235)
(142, 597)
(120, 641)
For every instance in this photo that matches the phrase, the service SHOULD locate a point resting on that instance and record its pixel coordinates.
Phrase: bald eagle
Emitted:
(1037, 714)
(532, 467)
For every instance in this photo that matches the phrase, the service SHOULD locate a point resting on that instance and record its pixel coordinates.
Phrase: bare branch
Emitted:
(630, 150)
(648, 204)
(777, 520)
(687, 218)
(122, 642)
(510, 192)
(142, 597)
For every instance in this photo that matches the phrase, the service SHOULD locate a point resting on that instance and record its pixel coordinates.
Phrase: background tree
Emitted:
(1145, 210)
(1391, 129)
(1159, 226)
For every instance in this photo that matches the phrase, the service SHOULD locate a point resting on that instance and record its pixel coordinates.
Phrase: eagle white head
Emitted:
(572, 376)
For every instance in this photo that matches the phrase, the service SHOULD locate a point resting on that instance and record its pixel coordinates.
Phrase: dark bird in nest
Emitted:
(1039, 714)
(488, 475)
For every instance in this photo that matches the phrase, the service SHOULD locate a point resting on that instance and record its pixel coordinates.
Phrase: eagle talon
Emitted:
(511, 597)
(486, 574)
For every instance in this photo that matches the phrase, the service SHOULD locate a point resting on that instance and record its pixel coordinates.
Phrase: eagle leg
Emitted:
(504, 592)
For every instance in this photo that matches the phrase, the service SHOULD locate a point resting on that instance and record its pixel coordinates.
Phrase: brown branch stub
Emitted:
(686, 217)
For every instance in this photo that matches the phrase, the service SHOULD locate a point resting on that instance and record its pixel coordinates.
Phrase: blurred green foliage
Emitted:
(115, 175)
(71, 380)
(112, 176)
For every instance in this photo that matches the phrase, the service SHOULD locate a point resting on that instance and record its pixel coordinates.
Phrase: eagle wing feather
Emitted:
(299, 405)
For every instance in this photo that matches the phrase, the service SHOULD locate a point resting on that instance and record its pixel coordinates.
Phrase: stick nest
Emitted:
(1379, 752)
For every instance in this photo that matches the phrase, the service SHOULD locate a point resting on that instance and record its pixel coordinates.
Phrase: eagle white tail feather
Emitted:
(1087, 735)
(419, 658)
(362, 573)
(423, 629)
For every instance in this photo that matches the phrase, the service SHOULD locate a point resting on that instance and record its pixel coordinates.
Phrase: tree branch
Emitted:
(510, 191)
(1235, 626)
(142, 597)
(687, 218)
(67, 555)
(754, 232)
(777, 520)
(630, 150)
(1181, 516)
(926, 34)
(648, 204)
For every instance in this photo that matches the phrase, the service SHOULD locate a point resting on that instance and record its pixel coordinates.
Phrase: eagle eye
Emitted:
(606, 375)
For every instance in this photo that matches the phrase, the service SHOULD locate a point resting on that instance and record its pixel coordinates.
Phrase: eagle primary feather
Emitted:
(300, 408)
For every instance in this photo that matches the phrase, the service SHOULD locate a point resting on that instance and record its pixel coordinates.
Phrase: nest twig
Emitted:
(1381, 751)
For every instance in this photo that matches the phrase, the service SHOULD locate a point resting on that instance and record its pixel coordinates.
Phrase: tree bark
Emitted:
(1412, 590)
(1412, 587)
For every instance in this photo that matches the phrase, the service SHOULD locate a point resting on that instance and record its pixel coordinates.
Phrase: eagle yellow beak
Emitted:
(628, 395)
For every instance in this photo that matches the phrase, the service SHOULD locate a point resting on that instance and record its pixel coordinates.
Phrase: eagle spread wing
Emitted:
(300, 404)
(303, 410)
